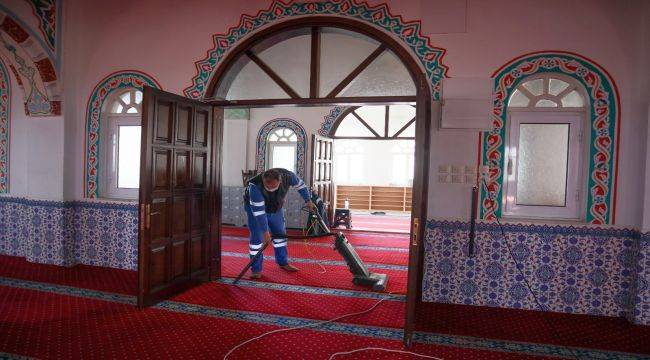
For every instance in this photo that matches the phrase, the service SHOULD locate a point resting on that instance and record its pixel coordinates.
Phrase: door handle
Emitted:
(416, 228)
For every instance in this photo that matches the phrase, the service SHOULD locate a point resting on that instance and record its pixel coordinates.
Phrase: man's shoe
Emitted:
(256, 275)
(289, 268)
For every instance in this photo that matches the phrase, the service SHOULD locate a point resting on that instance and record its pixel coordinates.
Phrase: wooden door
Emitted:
(179, 195)
(322, 150)
(419, 207)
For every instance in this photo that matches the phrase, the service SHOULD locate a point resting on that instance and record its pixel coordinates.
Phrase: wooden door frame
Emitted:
(422, 100)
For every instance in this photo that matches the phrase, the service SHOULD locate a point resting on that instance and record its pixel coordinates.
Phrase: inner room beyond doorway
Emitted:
(373, 180)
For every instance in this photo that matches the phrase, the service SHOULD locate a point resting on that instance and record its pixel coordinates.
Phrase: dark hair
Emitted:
(271, 174)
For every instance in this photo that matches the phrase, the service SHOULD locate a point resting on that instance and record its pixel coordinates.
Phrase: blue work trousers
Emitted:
(276, 226)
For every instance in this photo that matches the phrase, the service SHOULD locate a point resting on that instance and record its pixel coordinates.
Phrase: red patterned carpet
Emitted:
(307, 250)
(609, 333)
(356, 238)
(337, 277)
(51, 326)
(83, 276)
(321, 265)
(50, 322)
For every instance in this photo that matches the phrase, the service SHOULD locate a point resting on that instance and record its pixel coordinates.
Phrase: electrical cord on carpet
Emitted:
(521, 272)
(382, 349)
(326, 322)
(304, 241)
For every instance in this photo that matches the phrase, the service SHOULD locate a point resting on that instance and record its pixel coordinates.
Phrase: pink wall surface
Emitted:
(165, 38)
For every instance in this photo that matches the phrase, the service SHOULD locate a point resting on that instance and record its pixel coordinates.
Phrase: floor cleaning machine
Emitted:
(360, 273)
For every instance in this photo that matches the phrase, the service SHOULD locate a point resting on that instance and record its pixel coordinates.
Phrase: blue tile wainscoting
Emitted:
(587, 269)
(584, 269)
(71, 232)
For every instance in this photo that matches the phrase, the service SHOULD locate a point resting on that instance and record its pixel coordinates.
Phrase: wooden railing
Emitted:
(375, 198)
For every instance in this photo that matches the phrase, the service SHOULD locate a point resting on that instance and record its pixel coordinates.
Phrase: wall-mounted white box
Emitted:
(466, 103)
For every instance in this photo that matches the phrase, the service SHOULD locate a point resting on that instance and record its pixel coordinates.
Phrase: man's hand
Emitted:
(312, 207)
(267, 237)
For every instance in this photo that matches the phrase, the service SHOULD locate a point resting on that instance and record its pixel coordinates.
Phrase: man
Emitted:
(263, 201)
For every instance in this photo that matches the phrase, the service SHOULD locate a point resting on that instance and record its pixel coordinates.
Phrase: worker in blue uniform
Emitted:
(263, 201)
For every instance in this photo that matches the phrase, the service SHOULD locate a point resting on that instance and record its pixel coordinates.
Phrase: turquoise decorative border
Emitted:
(333, 327)
(5, 127)
(380, 16)
(329, 119)
(604, 106)
(263, 134)
(111, 83)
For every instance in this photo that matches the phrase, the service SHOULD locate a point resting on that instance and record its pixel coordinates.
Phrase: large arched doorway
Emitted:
(290, 65)
(307, 78)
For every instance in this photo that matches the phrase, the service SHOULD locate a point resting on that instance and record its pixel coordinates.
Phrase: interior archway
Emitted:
(263, 39)
(419, 94)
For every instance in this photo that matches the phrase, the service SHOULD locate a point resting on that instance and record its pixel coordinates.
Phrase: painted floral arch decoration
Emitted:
(5, 118)
(604, 112)
(329, 119)
(380, 16)
(269, 127)
(104, 89)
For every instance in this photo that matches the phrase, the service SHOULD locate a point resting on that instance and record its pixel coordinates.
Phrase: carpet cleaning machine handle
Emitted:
(360, 274)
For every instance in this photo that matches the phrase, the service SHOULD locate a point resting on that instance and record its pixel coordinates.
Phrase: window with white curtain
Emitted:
(403, 158)
(349, 167)
(121, 150)
(282, 148)
(544, 177)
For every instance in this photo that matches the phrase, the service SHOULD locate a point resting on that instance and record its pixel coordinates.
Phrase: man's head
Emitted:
(271, 179)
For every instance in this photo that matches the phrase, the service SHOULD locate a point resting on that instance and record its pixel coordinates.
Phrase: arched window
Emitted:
(387, 122)
(121, 151)
(544, 148)
(282, 149)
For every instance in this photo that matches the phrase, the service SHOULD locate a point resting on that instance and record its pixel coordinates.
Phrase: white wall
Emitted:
(235, 134)
(36, 152)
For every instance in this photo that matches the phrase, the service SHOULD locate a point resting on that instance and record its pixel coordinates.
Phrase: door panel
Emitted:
(199, 174)
(321, 171)
(178, 179)
(201, 128)
(182, 169)
(162, 169)
(197, 250)
(184, 125)
(164, 121)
